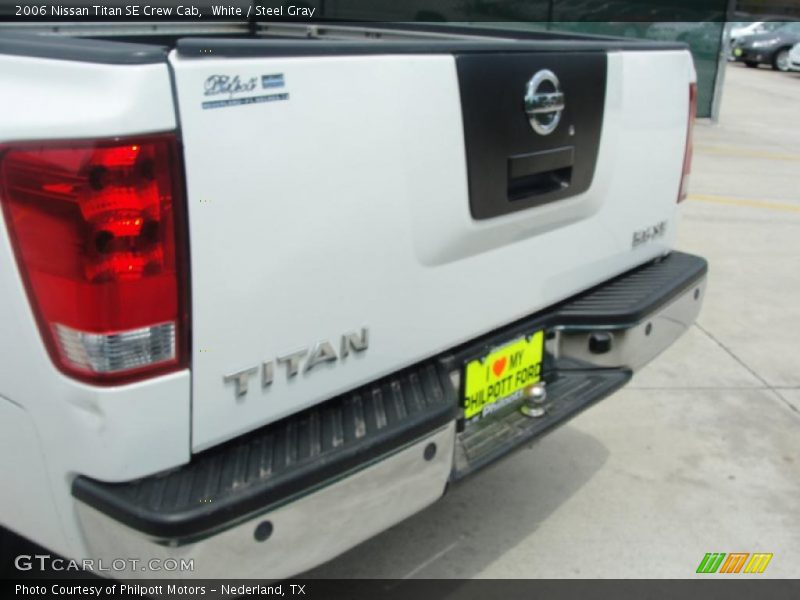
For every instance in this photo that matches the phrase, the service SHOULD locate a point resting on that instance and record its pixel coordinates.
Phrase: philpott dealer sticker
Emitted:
(233, 90)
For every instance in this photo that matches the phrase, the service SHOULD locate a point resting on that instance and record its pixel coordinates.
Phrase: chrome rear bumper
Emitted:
(631, 345)
(304, 532)
(595, 342)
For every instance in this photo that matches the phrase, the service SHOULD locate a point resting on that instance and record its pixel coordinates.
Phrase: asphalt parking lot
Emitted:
(701, 453)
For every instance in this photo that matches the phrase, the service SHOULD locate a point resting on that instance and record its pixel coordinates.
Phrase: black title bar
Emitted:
(198, 11)
(418, 589)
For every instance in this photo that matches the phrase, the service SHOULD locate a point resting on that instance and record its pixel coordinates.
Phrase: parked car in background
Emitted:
(770, 48)
(794, 58)
(740, 29)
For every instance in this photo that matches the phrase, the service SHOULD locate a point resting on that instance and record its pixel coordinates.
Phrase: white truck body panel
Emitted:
(59, 99)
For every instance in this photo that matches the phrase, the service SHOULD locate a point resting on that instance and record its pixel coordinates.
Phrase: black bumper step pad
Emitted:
(568, 393)
(229, 483)
(629, 298)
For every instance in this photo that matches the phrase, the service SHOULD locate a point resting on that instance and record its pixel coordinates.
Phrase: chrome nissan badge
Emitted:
(544, 102)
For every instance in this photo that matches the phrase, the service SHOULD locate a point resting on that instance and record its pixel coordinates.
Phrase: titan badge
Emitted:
(544, 102)
(321, 352)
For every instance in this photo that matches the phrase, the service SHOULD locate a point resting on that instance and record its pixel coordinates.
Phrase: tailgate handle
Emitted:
(539, 173)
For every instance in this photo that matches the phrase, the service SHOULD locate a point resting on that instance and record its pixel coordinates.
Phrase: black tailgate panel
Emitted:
(510, 166)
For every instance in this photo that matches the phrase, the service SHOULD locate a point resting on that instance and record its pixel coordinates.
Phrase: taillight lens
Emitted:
(687, 157)
(97, 230)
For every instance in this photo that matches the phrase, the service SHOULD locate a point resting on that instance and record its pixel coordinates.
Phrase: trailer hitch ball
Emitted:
(535, 398)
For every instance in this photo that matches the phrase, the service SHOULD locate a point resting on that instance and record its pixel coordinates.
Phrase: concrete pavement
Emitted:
(701, 453)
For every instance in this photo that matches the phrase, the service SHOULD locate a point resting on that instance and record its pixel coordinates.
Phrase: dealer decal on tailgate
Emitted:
(501, 376)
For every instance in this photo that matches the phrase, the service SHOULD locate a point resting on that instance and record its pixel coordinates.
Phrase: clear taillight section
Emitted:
(687, 156)
(97, 231)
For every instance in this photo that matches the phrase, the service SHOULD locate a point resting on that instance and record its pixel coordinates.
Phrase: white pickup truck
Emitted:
(267, 293)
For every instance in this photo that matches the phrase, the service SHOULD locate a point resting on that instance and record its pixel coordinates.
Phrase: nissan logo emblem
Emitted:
(544, 102)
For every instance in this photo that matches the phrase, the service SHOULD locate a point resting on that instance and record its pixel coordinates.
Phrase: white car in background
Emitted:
(741, 29)
(794, 58)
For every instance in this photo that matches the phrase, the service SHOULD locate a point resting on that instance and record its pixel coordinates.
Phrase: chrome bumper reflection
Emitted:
(301, 534)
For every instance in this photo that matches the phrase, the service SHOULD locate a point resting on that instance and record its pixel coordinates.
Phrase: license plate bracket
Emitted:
(500, 376)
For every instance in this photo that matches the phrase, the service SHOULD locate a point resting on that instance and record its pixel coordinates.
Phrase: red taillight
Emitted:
(97, 231)
(687, 157)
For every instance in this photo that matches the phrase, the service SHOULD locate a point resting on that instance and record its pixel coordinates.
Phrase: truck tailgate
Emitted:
(338, 193)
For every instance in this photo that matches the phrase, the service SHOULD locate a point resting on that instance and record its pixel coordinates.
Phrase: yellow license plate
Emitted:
(738, 51)
(501, 376)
